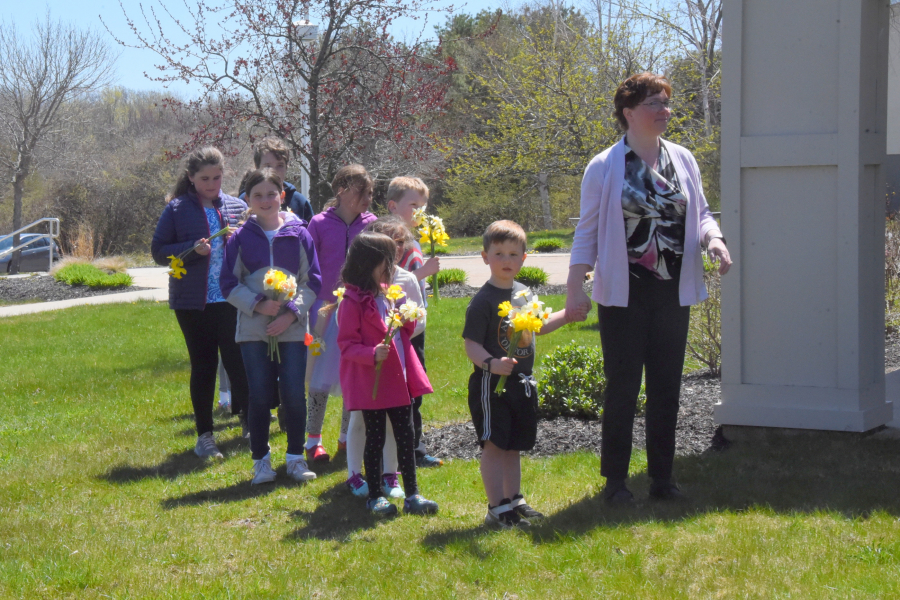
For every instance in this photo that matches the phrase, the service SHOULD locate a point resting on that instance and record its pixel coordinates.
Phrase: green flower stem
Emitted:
(219, 233)
(435, 286)
(513, 344)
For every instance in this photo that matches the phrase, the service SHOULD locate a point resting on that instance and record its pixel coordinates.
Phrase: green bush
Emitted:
(532, 276)
(572, 383)
(448, 276)
(91, 276)
(548, 245)
(438, 251)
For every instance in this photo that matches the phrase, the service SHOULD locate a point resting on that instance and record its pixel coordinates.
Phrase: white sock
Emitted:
(390, 449)
(356, 443)
(312, 441)
(290, 457)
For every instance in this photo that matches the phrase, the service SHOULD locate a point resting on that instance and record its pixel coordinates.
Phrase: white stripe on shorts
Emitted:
(486, 404)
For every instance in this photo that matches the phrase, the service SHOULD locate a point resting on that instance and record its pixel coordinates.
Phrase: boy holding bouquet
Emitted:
(501, 322)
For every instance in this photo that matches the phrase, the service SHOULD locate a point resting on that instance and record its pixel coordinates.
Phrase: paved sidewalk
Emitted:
(156, 282)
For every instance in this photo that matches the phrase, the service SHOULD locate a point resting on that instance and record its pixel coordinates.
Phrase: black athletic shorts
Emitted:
(509, 420)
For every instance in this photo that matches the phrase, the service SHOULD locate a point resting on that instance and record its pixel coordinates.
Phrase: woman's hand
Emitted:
(381, 353)
(431, 266)
(503, 366)
(578, 303)
(280, 325)
(269, 308)
(202, 247)
(718, 252)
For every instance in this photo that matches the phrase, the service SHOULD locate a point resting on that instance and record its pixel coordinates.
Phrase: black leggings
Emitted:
(208, 332)
(649, 336)
(403, 435)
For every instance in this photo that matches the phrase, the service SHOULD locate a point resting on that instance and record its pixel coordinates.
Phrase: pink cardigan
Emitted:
(600, 235)
(360, 329)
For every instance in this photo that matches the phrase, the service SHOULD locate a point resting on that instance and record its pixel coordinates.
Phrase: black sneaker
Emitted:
(506, 518)
(524, 511)
(666, 490)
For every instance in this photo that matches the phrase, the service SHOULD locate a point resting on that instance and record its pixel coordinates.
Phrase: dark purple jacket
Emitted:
(182, 223)
(249, 256)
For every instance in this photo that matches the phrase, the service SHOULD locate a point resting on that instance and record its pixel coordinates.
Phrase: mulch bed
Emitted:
(46, 289)
(695, 432)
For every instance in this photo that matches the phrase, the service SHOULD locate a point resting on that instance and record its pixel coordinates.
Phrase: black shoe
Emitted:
(525, 511)
(616, 494)
(506, 519)
(666, 491)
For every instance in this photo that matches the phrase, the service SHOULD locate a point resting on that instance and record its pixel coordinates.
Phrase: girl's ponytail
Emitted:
(350, 176)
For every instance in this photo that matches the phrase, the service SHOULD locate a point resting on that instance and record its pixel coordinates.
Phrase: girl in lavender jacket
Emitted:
(361, 332)
(332, 230)
(644, 221)
(275, 240)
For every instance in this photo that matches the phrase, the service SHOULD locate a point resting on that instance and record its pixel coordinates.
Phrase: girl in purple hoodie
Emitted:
(332, 230)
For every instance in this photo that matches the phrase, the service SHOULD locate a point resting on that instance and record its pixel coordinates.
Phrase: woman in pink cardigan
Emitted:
(361, 331)
(644, 222)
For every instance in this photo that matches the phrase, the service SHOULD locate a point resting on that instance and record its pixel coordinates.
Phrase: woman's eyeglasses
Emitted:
(656, 104)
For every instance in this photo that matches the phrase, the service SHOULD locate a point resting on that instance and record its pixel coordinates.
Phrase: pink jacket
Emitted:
(360, 329)
(332, 238)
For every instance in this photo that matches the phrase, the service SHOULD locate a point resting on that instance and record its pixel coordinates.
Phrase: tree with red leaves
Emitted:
(336, 91)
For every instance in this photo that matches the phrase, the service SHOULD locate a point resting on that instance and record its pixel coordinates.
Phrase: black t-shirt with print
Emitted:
(485, 326)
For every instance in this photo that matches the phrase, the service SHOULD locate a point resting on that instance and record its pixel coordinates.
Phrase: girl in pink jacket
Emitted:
(361, 331)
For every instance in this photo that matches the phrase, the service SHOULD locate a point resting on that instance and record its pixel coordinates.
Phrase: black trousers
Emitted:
(418, 344)
(207, 333)
(649, 335)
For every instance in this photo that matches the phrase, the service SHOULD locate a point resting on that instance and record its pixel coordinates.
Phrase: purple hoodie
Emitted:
(332, 238)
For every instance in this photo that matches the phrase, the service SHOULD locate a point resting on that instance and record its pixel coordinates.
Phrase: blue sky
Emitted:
(133, 63)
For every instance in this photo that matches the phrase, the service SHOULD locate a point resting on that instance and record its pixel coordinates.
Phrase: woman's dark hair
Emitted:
(367, 251)
(635, 90)
(350, 176)
(196, 160)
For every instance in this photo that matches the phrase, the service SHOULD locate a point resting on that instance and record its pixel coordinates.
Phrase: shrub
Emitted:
(572, 383)
(548, 245)
(532, 276)
(438, 251)
(91, 276)
(448, 276)
(705, 333)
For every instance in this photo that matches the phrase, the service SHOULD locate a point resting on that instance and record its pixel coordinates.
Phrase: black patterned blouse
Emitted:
(654, 209)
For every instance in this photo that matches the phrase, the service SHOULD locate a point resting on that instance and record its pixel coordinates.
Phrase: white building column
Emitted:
(804, 95)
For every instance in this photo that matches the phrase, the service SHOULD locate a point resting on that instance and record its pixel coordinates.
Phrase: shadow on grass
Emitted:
(338, 515)
(175, 465)
(797, 474)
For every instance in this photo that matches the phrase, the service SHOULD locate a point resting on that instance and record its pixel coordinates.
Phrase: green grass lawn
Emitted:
(102, 497)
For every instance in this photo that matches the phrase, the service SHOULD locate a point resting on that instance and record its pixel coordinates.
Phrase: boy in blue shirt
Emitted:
(273, 153)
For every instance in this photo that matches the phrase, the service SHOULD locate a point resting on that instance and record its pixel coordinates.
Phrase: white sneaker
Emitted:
(262, 470)
(206, 446)
(297, 469)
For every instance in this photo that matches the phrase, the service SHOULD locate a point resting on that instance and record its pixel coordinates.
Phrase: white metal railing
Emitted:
(50, 236)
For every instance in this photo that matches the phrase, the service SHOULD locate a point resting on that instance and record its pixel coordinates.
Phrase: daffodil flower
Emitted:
(505, 308)
(176, 267)
(394, 293)
(339, 293)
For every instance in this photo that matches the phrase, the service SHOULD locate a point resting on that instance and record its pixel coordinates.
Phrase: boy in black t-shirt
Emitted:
(506, 423)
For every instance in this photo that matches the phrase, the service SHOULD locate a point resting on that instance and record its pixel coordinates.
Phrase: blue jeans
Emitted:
(266, 379)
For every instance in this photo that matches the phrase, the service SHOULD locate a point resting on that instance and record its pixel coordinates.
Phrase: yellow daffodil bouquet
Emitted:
(280, 284)
(395, 319)
(176, 263)
(530, 317)
(431, 230)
